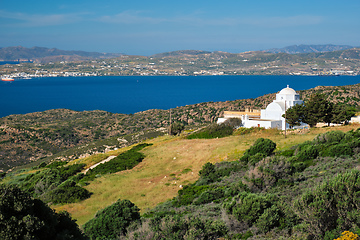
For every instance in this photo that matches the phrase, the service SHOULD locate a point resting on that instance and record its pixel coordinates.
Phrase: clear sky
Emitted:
(146, 27)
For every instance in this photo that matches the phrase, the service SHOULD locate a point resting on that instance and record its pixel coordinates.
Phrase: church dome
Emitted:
(287, 91)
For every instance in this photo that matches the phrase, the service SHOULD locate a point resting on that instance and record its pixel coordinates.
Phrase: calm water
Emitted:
(130, 94)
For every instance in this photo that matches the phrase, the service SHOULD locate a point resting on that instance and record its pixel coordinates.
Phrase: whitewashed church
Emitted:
(271, 117)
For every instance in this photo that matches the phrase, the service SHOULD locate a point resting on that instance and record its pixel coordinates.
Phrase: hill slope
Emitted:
(46, 135)
(173, 162)
(41, 54)
(294, 49)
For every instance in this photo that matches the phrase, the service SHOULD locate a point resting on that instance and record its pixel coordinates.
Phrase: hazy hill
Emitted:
(309, 48)
(353, 53)
(42, 54)
(180, 53)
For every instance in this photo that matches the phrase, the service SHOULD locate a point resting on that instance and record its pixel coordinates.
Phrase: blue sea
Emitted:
(130, 94)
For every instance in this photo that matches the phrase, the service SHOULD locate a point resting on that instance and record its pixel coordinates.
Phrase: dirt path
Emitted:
(103, 161)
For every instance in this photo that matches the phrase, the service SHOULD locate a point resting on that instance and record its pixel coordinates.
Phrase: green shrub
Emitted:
(50, 178)
(126, 160)
(269, 219)
(112, 221)
(213, 131)
(338, 150)
(209, 196)
(188, 193)
(208, 173)
(307, 152)
(250, 207)
(287, 153)
(66, 172)
(23, 217)
(262, 147)
(354, 134)
(186, 170)
(42, 181)
(175, 227)
(332, 205)
(330, 137)
(53, 164)
(69, 192)
(256, 158)
(226, 168)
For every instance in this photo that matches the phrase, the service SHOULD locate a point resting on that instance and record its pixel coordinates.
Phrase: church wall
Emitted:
(257, 123)
(264, 124)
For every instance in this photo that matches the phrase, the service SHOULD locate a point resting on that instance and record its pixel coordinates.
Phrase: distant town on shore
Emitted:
(323, 60)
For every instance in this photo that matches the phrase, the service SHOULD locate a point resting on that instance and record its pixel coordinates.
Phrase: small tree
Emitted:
(176, 128)
(233, 122)
(341, 113)
(112, 221)
(295, 115)
(317, 109)
(208, 172)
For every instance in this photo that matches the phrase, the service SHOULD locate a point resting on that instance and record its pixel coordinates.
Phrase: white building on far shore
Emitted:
(271, 117)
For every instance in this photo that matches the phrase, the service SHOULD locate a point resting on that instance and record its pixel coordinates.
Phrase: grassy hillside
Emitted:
(67, 135)
(170, 189)
(171, 162)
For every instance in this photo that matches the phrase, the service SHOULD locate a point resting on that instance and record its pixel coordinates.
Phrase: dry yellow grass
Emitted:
(159, 176)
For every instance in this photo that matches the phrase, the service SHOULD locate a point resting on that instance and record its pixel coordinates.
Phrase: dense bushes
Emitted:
(187, 195)
(69, 192)
(248, 207)
(255, 197)
(213, 131)
(111, 222)
(329, 144)
(208, 173)
(124, 161)
(332, 206)
(176, 227)
(25, 218)
(52, 184)
(261, 148)
(291, 194)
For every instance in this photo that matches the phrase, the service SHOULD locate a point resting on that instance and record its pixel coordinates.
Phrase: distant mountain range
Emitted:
(46, 55)
(42, 54)
(294, 49)
(180, 53)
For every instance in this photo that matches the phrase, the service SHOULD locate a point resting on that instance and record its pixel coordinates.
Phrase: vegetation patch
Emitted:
(213, 131)
(126, 160)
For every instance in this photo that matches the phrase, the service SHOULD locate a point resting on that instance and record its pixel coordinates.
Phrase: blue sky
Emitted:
(149, 27)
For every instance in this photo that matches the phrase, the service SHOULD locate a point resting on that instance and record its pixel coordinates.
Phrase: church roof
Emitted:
(288, 90)
(276, 106)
